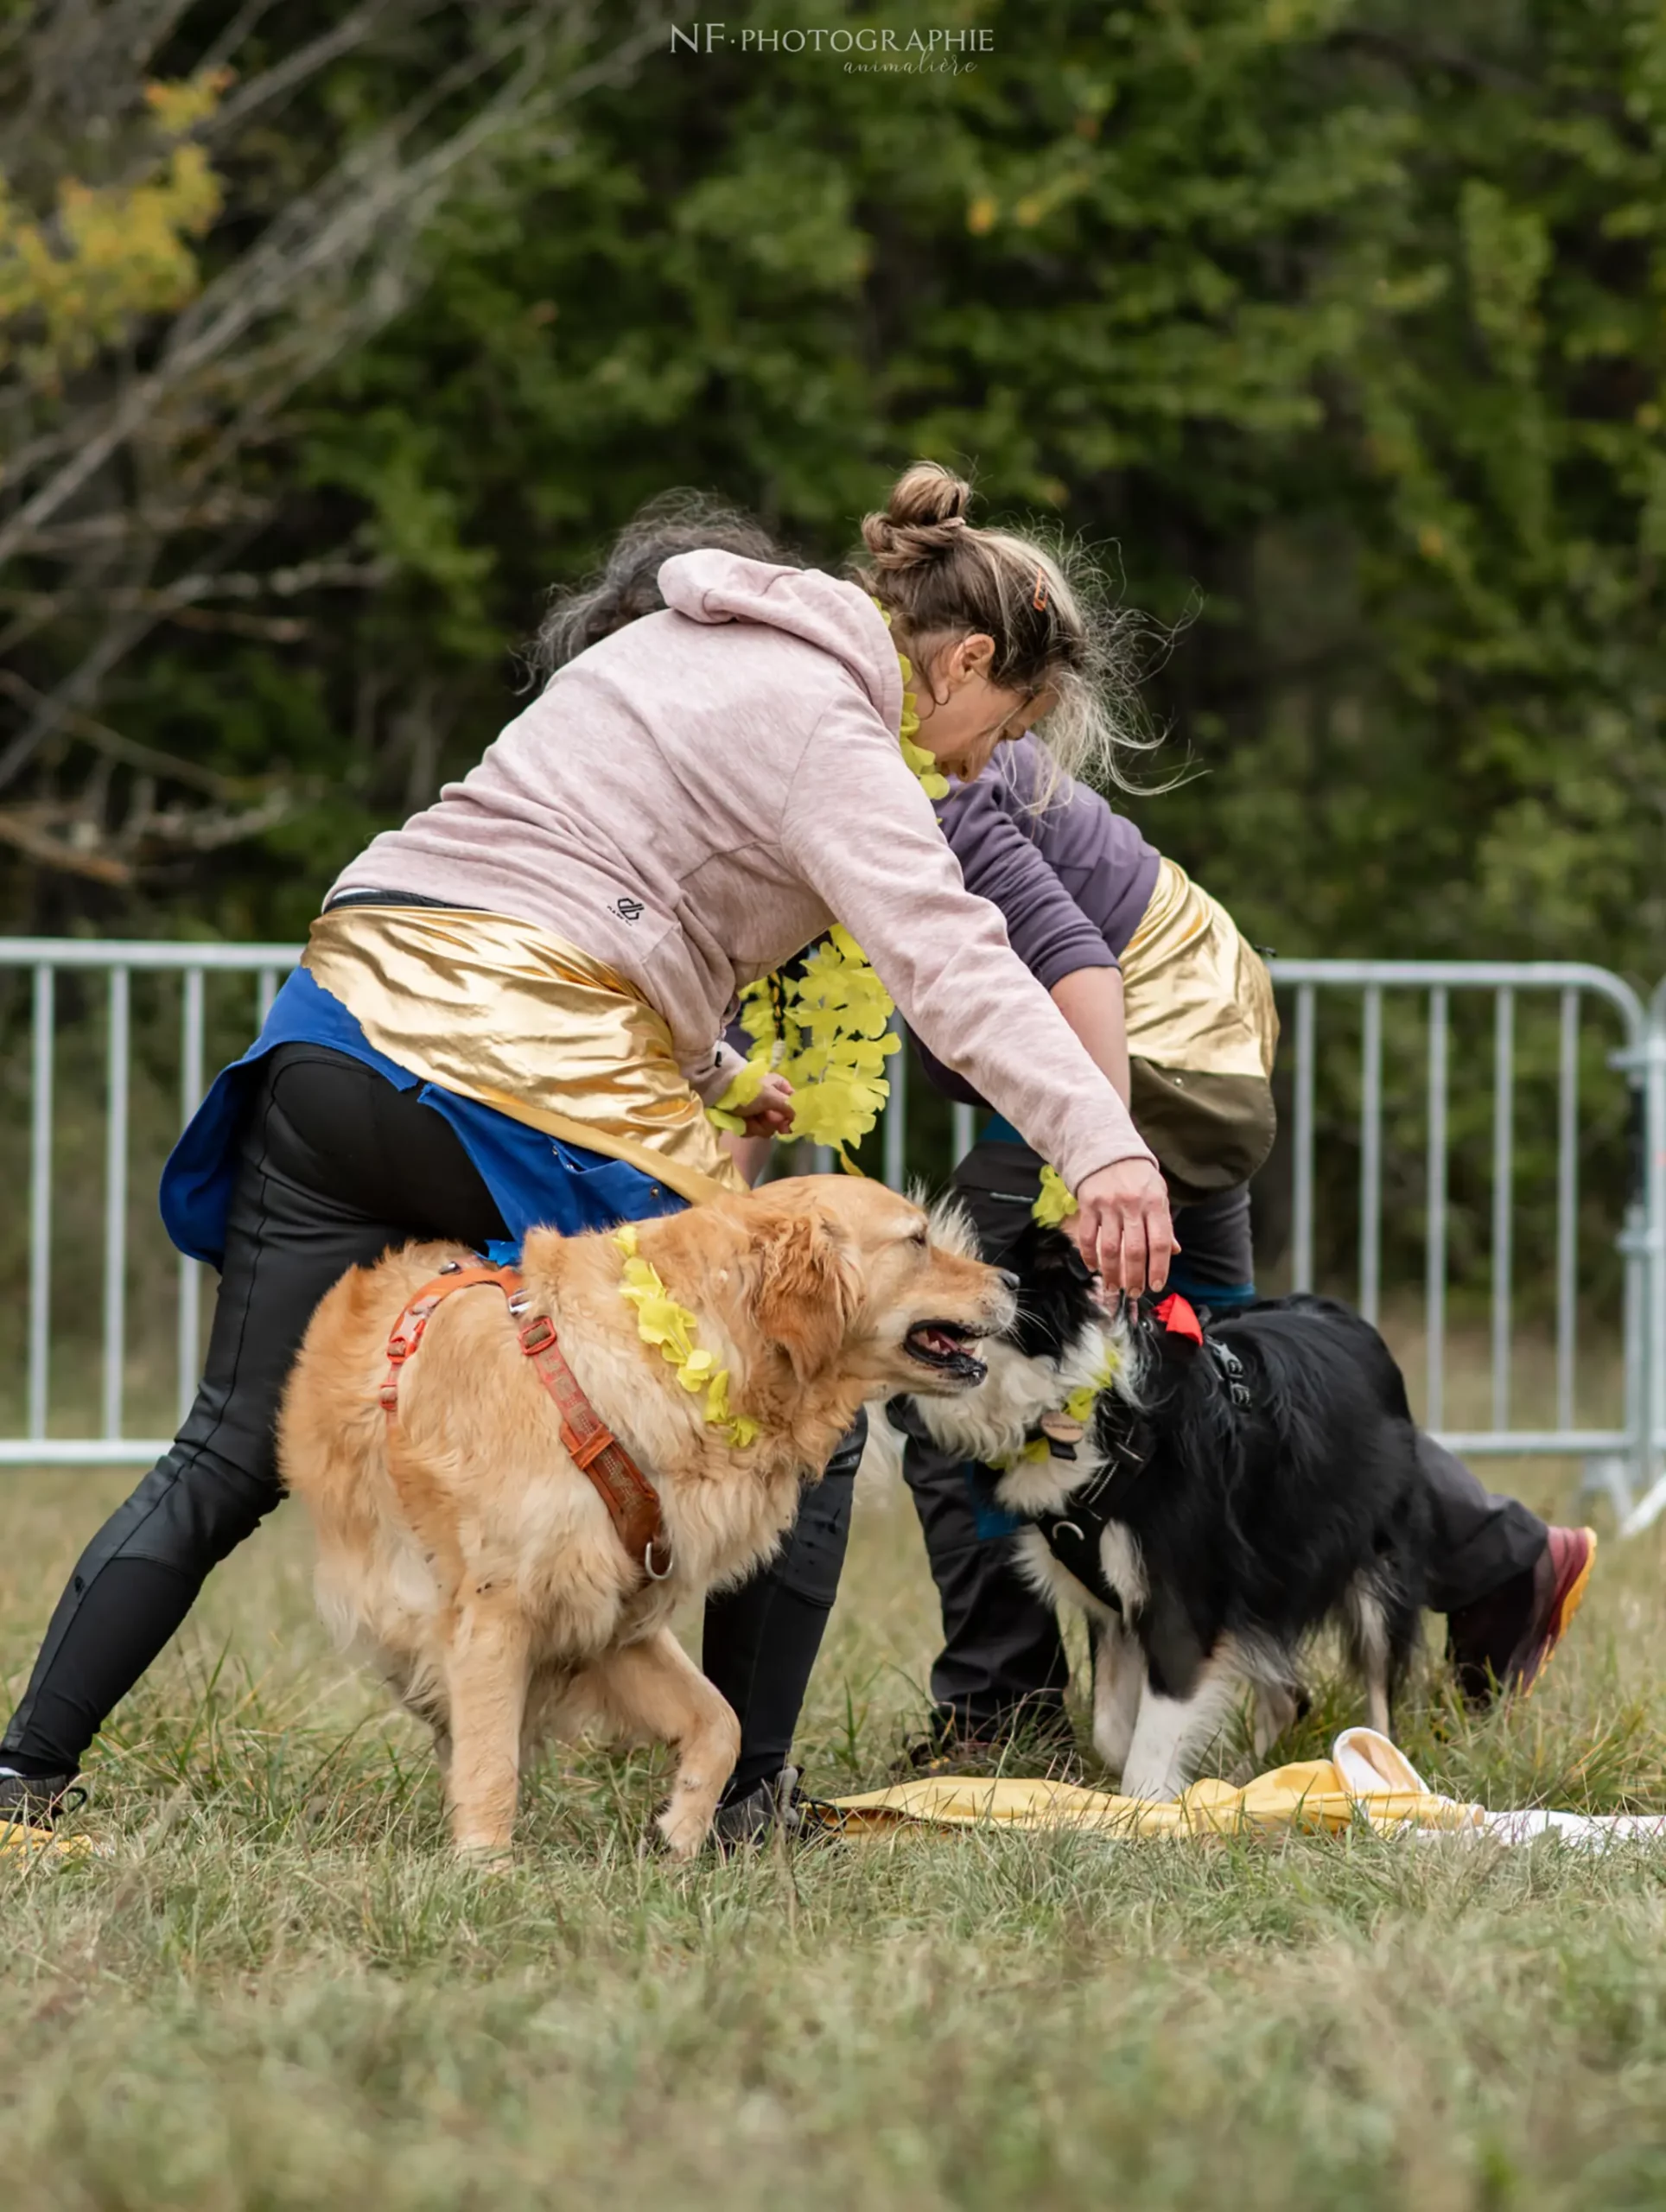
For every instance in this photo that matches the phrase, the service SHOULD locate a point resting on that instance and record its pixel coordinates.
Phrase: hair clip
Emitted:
(1040, 602)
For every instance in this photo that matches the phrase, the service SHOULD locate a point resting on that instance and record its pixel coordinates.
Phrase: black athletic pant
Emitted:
(1002, 1664)
(335, 1165)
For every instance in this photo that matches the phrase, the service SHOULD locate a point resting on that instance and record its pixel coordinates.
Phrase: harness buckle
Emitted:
(388, 1396)
(537, 1336)
(585, 1453)
(398, 1349)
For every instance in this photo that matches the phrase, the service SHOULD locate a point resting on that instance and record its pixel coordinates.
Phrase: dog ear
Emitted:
(808, 1290)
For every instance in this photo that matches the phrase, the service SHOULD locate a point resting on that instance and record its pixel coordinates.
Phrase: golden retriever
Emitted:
(462, 1545)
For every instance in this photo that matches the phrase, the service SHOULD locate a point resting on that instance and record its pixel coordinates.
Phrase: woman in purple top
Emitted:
(1177, 1010)
(1153, 975)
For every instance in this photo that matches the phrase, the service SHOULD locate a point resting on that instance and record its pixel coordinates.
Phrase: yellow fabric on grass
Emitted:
(18, 1843)
(1366, 1776)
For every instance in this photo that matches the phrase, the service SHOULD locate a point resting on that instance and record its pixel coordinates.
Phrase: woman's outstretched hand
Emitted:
(1121, 1226)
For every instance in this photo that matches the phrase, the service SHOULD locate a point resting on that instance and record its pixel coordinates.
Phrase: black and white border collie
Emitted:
(1208, 1496)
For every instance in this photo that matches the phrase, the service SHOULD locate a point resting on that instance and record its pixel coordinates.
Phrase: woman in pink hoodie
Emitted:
(511, 1011)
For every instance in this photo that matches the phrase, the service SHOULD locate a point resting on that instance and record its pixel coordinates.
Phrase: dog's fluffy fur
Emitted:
(1222, 1517)
(479, 1565)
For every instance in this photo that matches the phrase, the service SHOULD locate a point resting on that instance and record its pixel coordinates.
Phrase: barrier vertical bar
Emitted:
(896, 1110)
(1643, 1496)
(265, 992)
(1655, 1200)
(1371, 1154)
(1504, 1164)
(1435, 1291)
(190, 1292)
(115, 1251)
(1568, 1204)
(40, 1200)
(1301, 1227)
(965, 1131)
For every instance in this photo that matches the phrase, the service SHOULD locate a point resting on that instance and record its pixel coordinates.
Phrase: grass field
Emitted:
(275, 1990)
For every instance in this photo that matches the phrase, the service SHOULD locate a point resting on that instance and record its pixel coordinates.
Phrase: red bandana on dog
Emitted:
(1178, 1318)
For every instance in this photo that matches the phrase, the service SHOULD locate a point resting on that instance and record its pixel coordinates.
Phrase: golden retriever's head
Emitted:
(843, 1275)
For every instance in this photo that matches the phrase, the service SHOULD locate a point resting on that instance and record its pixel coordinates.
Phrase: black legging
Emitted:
(336, 1165)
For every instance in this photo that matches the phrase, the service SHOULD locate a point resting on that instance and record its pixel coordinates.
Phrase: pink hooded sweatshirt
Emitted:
(696, 799)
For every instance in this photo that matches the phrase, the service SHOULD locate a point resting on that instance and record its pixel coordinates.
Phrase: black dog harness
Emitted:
(1072, 1536)
(1074, 1533)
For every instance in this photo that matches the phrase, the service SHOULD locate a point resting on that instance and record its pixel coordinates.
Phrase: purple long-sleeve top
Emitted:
(1073, 880)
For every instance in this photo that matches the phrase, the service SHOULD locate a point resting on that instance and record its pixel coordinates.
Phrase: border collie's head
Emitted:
(1058, 1344)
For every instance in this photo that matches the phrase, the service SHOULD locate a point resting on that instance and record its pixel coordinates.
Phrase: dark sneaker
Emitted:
(774, 1806)
(1506, 1640)
(35, 1800)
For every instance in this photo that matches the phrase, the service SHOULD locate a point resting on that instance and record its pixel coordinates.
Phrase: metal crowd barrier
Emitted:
(48, 958)
(1625, 1460)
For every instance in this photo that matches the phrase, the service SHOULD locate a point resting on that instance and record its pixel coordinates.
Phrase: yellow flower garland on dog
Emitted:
(1077, 1406)
(660, 1320)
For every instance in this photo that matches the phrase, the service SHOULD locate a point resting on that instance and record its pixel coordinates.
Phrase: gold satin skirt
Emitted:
(1202, 1034)
(505, 1014)
(1194, 995)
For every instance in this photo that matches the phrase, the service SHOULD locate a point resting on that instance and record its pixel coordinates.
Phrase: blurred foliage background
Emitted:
(333, 335)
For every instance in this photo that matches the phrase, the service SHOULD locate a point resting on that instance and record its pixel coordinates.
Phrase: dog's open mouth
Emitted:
(943, 1345)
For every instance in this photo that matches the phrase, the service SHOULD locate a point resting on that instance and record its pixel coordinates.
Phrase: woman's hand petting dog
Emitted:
(1121, 1225)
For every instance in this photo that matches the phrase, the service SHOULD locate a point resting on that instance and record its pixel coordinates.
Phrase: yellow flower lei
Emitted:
(834, 1036)
(932, 781)
(1079, 1405)
(728, 1112)
(660, 1320)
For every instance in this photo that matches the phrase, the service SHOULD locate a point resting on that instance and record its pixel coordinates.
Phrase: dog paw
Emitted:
(486, 1858)
(684, 1829)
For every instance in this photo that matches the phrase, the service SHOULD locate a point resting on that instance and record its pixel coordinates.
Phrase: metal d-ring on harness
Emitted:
(633, 1503)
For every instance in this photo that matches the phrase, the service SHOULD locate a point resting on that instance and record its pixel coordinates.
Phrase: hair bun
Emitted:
(924, 516)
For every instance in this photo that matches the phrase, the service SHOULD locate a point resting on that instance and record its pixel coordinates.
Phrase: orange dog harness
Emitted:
(631, 1499)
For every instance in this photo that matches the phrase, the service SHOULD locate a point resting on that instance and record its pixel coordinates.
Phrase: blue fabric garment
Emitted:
(998, 1130)
(537, 1181)
(994, 1521)
(1199, 1290)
